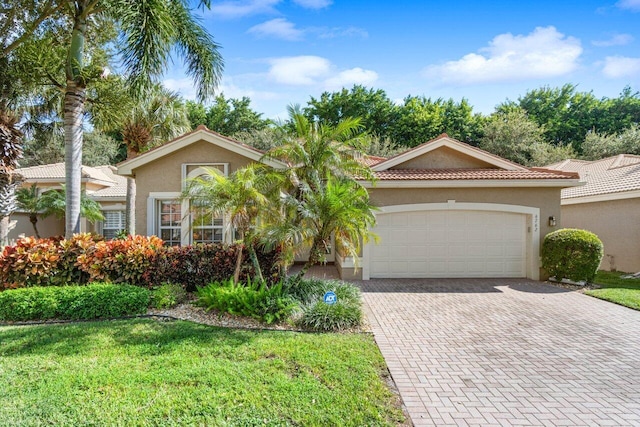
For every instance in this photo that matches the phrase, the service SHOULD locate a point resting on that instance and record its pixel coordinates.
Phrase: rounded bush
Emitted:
(572, 254)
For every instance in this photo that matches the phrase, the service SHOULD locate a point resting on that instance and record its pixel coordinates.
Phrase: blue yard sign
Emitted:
(330, 298)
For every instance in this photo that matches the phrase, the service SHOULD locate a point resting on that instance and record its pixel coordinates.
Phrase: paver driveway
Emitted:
(506, 352)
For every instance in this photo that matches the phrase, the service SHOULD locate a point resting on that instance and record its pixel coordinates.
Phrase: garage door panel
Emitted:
(450, 244)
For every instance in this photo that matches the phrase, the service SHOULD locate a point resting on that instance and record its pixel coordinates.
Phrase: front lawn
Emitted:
(615, 289)
(146, 372)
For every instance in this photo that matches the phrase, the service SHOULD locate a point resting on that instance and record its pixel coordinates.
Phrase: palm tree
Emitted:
(53, 202)
(339, 208)
(324, 161)
(242, 197)
(317, 152)
(159, 116)
(10, 152)
(149, 33)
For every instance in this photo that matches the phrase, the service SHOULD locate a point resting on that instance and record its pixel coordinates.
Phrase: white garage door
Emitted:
(449, 243)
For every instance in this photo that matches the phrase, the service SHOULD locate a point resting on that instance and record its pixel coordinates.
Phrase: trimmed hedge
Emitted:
(98, 300)
(136, 260)
(198, 265)
(572, 254)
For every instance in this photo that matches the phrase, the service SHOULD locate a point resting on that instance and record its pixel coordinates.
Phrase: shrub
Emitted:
(99, 300)
(316, 314)
(196, 266)
(572, 254)
(121, 261)
(44, 262)
(267, 304)
(168, 295)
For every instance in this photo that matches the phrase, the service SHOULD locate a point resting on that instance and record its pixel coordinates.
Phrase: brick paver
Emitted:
(506, 352)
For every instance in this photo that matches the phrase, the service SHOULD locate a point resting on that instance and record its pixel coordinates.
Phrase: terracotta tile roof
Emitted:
(615, 174)
(372, 160)
(469, 174)
(56, 171)
(117, 191)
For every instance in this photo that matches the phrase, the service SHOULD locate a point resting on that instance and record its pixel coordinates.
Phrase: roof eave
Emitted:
(472, 183)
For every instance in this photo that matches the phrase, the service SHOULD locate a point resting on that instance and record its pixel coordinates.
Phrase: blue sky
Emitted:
(281, 52)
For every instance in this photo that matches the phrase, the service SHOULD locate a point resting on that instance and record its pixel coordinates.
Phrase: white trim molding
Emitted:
(200, 134)
(532, 221)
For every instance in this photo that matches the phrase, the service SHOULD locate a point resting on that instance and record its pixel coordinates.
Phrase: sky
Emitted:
(283, 52)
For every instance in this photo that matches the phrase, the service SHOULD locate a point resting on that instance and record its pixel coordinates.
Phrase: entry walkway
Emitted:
(506, 352)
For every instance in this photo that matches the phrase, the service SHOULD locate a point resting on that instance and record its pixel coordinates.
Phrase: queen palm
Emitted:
(149, 33)
(158, 116)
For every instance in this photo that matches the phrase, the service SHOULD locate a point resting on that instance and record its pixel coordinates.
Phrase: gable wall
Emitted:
(443, 158)
(165, 174)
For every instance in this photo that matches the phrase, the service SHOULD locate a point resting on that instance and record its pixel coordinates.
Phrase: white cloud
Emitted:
(354, 76)
(278, 28)
(633, 5)
(621, 66)
(543, 53)
(315, 70)
(614, 40)
(313, 4)
(240, 8)
(184, 87)
(298, 70)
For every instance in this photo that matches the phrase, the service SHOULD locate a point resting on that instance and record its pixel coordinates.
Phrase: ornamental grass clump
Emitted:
(572, 254)
(346, 313)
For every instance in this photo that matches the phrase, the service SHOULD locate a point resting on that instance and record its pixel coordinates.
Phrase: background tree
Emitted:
(148, 34)
(599, 146)
(157, 117)
(262, 139)
(376, 111)
(422, 119)
(227, 116)
(512, 135)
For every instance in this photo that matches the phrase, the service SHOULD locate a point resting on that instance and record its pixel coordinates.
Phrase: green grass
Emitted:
(151, 373)
(615, 289)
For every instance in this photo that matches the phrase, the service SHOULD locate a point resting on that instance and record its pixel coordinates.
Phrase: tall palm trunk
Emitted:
(33, 218)
(130, 206)
(74, 102)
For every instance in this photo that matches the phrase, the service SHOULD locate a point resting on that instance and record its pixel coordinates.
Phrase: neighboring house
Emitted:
(446, 209)
(608, 205)
(101, 183)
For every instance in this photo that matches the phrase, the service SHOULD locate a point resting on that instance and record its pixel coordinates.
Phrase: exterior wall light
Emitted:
(552, 221)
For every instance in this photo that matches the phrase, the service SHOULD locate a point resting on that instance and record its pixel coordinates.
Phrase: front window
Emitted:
(114, 223)
(170, 222)
(206, 228)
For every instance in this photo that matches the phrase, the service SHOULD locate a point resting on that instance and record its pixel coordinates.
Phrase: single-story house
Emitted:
(447, 209)
(608, 205)
(101, 183)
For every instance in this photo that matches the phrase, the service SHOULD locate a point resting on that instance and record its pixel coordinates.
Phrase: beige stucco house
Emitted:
(608, 205)
(101, 183)
(446, 209)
